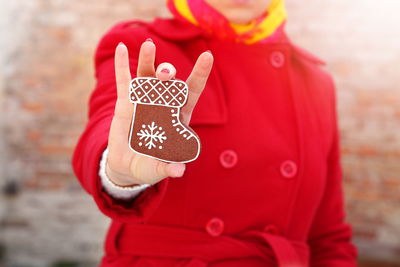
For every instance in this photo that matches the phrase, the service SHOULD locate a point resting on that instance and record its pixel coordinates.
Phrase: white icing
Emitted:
(164, 98)
(170, 100)
(151, 136)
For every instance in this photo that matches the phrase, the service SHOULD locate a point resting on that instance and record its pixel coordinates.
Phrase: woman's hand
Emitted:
(124, 166)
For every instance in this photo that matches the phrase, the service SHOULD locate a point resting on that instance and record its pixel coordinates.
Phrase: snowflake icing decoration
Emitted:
(151, 135)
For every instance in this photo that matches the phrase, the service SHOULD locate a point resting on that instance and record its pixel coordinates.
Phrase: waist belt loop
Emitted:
(288, 253)
(284, 251)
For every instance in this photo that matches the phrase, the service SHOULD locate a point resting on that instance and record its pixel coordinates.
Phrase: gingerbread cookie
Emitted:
(156, 130)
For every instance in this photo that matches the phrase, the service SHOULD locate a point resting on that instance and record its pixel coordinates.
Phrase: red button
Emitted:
(215, 226)
(288, 169)
(272, 229)
(277, 59)
(228, 158)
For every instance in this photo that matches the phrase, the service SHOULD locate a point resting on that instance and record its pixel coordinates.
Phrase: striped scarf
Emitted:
(260, 30)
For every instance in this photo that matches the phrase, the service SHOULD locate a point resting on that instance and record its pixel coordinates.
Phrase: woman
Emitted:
(266, 189)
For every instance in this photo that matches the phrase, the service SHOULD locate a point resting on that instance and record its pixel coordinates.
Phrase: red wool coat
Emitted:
(266, 189)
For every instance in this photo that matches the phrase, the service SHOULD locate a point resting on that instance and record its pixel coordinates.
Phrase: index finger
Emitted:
(123, 108)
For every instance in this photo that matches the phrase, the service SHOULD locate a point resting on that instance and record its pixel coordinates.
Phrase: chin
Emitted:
(240, 17)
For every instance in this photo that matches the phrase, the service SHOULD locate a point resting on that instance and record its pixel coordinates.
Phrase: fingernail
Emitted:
(149, 40)
(209, 51)
(165, 70)
(120, 43)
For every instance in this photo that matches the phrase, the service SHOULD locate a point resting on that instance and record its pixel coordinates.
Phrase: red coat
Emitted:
(267, 186)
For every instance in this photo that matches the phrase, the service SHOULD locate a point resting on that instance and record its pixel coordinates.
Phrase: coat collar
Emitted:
(305, 55)
(167, 29)
(177, 30)
(173, 29)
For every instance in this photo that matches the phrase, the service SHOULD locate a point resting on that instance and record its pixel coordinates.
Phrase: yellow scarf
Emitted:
(261, 29)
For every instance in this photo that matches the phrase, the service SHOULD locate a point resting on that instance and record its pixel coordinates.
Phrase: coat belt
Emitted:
(176, 242)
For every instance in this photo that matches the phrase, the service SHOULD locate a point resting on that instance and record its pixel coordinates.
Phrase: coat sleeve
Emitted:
(93, 140)
(330, 236)
(112, 189)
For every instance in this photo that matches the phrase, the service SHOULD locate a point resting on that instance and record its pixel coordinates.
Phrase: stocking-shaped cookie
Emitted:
(156, 130)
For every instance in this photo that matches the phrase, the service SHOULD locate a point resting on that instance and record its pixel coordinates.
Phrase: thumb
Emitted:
(175, 169)
(149, 170)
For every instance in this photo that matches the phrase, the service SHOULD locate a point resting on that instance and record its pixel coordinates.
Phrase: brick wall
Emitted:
(46, 76)
(360, 40)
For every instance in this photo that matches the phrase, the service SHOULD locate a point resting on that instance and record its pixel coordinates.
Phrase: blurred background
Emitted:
(46, 76)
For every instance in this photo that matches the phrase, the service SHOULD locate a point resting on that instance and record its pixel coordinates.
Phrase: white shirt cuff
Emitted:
(113, 189)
